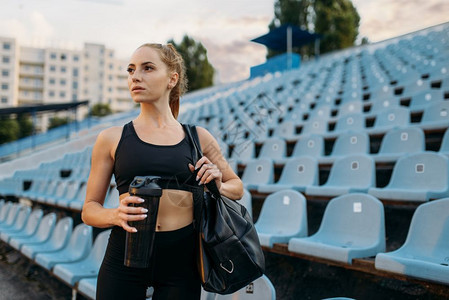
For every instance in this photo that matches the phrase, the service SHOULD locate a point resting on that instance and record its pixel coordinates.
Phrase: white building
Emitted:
(31, 76)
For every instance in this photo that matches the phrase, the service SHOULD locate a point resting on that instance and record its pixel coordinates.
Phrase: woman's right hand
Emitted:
(125, 213)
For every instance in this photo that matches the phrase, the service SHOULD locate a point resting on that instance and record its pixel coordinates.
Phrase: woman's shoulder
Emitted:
(110, 135)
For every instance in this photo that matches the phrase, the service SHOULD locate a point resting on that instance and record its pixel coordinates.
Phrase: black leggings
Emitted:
(174, 275)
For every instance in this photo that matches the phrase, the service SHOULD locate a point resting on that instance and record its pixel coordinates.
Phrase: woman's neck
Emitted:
(155, 116)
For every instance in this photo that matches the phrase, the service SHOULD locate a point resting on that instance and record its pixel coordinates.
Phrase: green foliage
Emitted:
(57, 121)
(25, 124)
(200, 73)
(101, 110)
(9, 130)
(337, 20)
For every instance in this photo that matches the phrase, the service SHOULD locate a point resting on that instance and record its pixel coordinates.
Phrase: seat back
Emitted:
(112, 199)
(283, 212)
(273, 148)
(5, 211)
(426, 170)
(62, 232)
(312, 145)
(355, 122)
(357, 170)
(314, 125)
(12, 214)
(72, 188)
(99, 248)
(243, 151)
(22, 217)
(259, 289)
(246, 201)
(444, 148)
(422, 99)
(46, 226)
(258, 171)
(351, 143)
(436, 112)
(350, 108)
(286, 129)
(34, 221)
(80, 242)
(391, 117)
(429, 230)
(384, 105)
(403, 140)
(354, 219)
(300, 171)
(60, 189)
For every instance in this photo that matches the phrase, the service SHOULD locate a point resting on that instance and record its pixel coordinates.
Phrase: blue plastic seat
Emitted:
(306, 145)
(349, 174)
(314, 126)
(286, 130)
(417, 177)
(348, 122)
(11, 216)
(283, 216)
(297, 174)
(259, 289)
(424, 253)
(444, 147)
(5, 211)
(246, 201)
(273, 148)
(78, 201)
(400, 141)
(258, 171)
(57, 241)
(88, 287)
(112, 199)
(42, 234)
(30, 228)
(19, 222)
(243, 152)
(350, 108)
(79, 246)
(435, 116)
(390, 118)
(71, 273)
(384, 105)
(423, 99)
(66, 192)
(348, 143)
(353, 226)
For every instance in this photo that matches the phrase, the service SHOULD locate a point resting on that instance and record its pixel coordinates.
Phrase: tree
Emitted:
(9, 130)
(337, 20)
(25, 124)
(57, 121)
(200, 72)
(101, 110)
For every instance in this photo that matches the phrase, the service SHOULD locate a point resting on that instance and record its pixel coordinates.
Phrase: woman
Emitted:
(153, 144)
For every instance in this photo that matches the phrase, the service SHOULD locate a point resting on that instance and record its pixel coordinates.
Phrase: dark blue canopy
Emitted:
(276, 39)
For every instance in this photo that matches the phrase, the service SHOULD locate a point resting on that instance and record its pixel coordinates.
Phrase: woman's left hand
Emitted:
(207, 172)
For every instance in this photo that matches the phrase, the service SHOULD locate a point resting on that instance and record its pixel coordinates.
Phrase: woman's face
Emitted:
(148, 77)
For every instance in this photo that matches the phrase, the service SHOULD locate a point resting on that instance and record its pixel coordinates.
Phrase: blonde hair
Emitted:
(175, 63)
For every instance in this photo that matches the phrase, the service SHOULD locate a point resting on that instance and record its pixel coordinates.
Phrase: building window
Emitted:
(75, 72)
(52, 68)
(74, 97)
(63, 56)
(5, 59)
(5, 86)
(62, 82)
(6, 46)
(62, 94)
(75, 85)
(5, 73)
(53, 55)
(76, 58)
(63, 69)
(51, 81)
(51, 93)
(4, 100)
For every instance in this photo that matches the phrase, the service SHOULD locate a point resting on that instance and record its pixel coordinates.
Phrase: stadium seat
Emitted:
(243, 152)
(424, 254)
(79, 246)
(19, 222)
(390, 118)
(306, 145)
(353, 226)
(259, 289)
(10, 218)
(42, 234)
(383, 105)
(400, 141)
(444, 147)
(417, 177)
(73, 272)
(78, 201)
(58, 239)
(435, 116)
(30, 228)
(112, 199)
(314, 126)
(5, 211)
(58, 192)
(348, 122)
(273, 148)
(283, 216)
(246, 201)
(286, 130)
(348, 143)
(422, 100)
(258, 171)
(349, 174)
(297, 174)
(66, 192)
(88, 287)
(350, 108)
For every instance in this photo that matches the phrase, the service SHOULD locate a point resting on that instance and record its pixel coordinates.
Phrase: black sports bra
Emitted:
(135, 157)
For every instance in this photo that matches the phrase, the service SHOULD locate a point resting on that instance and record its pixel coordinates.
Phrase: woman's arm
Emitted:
(93, 213)
(215, 167)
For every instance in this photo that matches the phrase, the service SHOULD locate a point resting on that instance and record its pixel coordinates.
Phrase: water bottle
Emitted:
(139, 245)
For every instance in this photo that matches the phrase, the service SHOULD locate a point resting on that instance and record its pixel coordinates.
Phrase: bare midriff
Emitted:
(175, 209)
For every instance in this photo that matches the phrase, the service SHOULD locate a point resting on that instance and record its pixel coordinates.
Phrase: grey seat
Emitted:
(42, 234)
(58, 240)
(71, 273)
(79, 246)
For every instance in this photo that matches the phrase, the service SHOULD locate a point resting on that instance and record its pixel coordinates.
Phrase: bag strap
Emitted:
(193, 136)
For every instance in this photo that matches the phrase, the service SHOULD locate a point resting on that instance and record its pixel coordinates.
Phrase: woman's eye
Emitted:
(129, 70)
(147, 68)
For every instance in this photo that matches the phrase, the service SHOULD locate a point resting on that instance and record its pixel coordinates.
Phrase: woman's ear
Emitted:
(173, 80)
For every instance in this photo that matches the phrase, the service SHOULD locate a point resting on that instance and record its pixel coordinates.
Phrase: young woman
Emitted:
(153, 144)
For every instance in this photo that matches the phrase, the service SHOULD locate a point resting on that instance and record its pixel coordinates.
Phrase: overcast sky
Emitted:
(223, 26)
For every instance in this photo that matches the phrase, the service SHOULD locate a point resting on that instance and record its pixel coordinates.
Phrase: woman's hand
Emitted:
(127, 213)
(207, 171)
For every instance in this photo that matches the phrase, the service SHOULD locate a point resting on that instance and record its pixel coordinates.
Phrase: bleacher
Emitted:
(362, 131)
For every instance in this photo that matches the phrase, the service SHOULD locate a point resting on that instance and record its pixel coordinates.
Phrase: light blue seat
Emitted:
(424, 254)
(353, 226)
(348, 122)
(38, 187)
(5, 211)
(349, 174)
(42, 234)
(112, 199)
(259, 289)
(30, 228)
(57, 241)
(79, 246)
(400, 141)
(423, 99)
(78, 201)
(286, 130)
(314, 126)
(444, 147)
(297, 174)
(283, 216)
(246, 201)
(11, 217)
(88, 287)
(19, 222)
(258, 171)
(306, 145)
(390, 118)
(348, 143)
(49, 190)
(58, 192)
(350, 108)
(243, 152)
(273, 148)
(67, 192)
(384, 105)
(71, 273)
(435, 116)
(417, 177)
